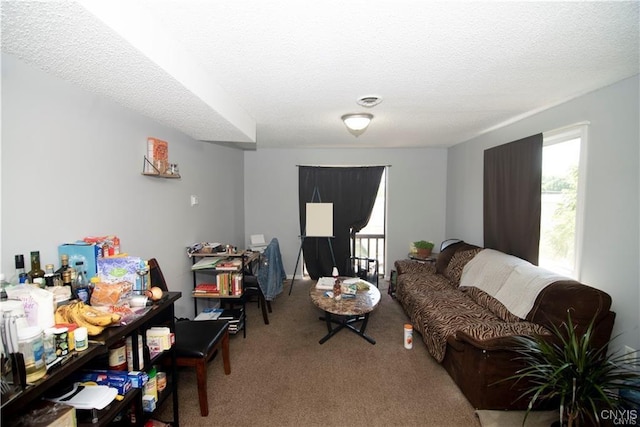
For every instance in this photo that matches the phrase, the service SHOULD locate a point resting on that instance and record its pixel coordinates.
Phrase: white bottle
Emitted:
(408, 336)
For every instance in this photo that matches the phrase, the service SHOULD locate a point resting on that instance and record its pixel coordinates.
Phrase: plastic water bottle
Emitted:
(408, 336)
(81, 287)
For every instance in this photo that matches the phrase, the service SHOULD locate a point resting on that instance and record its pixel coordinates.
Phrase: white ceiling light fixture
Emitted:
(357, 123)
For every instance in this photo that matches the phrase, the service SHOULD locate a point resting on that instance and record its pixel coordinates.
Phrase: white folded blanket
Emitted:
(514, 282)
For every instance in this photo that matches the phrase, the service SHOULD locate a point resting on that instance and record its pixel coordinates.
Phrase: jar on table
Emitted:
(118, 356)
(31, 345)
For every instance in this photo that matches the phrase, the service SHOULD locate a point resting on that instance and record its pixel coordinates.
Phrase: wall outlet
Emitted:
(194, 200)
(630, 354)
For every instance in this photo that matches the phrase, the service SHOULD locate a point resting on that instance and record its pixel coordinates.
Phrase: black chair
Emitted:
(196, 342)
(364, 268)
(252, 289)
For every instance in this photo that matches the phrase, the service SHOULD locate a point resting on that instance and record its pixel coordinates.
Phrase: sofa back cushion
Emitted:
(445, 256)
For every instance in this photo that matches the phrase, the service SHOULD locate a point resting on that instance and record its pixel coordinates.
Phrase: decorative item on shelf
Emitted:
(171, 172)
(158, 154)
(156, 162)
(423, 248)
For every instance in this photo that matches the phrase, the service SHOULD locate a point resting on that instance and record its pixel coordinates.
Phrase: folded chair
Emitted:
(197, 342)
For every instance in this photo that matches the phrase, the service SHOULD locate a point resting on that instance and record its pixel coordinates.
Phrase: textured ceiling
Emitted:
(282, 73)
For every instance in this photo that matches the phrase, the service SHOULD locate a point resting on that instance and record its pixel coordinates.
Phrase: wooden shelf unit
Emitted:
(246, 258)
(160, 313)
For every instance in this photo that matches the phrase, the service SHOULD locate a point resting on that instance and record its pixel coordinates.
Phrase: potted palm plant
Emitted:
(588, 383)
(423, 248)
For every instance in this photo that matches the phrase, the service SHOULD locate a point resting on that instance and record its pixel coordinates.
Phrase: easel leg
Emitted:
(296, 269)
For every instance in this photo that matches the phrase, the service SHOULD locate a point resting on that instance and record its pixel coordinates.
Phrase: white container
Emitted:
(31, 345)
(408, 336)
(81, 338)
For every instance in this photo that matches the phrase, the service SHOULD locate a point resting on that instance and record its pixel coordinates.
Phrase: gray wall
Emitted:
(416, 194)
(71, 164)
(71, 167)
(611, 251)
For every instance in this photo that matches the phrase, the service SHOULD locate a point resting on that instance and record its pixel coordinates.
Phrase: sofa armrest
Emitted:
(585, 304)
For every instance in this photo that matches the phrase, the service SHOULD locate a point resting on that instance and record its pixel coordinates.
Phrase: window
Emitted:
(370, 241)
(563, 159)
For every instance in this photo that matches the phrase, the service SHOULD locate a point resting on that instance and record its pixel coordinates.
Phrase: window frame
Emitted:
(557, 136)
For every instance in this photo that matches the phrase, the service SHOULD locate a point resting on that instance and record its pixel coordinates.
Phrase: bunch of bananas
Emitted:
(84, 315)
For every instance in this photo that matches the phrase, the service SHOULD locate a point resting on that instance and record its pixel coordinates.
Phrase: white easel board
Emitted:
(319, 220)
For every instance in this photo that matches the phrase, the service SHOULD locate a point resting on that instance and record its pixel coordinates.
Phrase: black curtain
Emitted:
(352, 190)
(512, 184)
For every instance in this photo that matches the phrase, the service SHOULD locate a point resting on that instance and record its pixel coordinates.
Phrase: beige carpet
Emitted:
(281, 376)
(515, 418)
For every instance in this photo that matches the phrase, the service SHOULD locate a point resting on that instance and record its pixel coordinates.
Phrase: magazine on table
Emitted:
(325, 283)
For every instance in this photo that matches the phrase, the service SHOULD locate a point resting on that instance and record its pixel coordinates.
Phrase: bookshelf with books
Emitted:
(221, 276)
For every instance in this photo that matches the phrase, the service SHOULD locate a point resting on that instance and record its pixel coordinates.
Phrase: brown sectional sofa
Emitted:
(470, 331)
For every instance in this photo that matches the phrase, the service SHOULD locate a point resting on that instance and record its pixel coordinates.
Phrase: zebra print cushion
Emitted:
(454, 269)
(490, 303)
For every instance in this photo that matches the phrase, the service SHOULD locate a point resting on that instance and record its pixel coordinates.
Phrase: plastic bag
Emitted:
(110, 294)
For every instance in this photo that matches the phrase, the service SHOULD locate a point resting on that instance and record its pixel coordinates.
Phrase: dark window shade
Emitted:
(353, 191)
(512, 184)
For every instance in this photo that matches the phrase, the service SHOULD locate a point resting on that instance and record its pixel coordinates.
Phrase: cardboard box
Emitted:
(159, 337)
(148, 403)
(138, 378)
(81, 251)
(115, 379)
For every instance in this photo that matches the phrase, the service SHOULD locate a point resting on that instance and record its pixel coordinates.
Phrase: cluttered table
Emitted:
(346, 311)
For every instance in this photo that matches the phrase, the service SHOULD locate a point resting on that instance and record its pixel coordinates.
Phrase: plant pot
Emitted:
(424, 253)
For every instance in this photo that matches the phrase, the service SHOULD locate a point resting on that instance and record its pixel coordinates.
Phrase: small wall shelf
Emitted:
(155, 172)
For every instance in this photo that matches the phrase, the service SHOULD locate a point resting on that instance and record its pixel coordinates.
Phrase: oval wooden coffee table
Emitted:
(346, 311)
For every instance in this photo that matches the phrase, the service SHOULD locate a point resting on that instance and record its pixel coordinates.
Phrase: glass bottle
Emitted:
(93, 283)
(80, 285)
(3, 284)
(21, 275)
(337, 290)
(64, 264)
(49, 276)
(36, 274)
(337, 285)
(66, 281)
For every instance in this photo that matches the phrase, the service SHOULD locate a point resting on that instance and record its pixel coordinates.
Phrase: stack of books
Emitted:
(229, 265)
(209, 314)
(206, 288)
(205, 263)
(229, 284)
(325, 283)
(235, 317)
